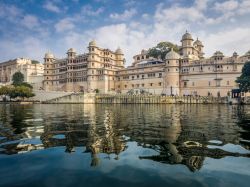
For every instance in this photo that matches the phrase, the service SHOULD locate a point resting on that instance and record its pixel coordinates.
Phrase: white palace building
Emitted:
(184, 73)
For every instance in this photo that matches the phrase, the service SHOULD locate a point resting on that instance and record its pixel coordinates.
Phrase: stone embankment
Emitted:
(136, 99)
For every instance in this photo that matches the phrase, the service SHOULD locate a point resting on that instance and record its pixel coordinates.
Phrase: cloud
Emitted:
(236, 39)
(226, 6)
(64, 25)
(89, 11)
(30, 21)
(51, 7)
(127, 14)
(9, 12)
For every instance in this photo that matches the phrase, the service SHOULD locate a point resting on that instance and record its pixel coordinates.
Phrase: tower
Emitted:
(71, 53)
(119, 57)
(172, 80)
(199, 46)
(187, 44)
(48, 71)
(92, 65)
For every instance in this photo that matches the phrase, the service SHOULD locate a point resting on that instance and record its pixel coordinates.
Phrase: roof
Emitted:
(218, 53)
(71, 50)
(118, 51)
(92, 43)
(198, 42)
(172, 55)
(187, 36)
(49, 55)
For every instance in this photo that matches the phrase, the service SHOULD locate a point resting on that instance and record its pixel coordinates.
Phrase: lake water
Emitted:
(124, 145)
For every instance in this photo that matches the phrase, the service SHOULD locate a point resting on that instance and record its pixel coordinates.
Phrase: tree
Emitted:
(35, 62)
(21, 91)
(161, 49)
(17, 78)
(244, 79)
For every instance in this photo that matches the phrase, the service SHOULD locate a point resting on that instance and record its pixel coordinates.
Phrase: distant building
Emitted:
(186, 72)
(33, 72)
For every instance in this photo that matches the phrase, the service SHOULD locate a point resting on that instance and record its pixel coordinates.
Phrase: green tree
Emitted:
(22, 92)
(17, 78)
(244, 79)
(35, 62)
(161, 49)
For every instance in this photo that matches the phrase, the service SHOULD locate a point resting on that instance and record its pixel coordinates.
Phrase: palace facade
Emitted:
(33, 72)
(185, 72)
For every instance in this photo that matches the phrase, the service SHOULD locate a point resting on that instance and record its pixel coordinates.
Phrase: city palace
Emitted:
(186, 72)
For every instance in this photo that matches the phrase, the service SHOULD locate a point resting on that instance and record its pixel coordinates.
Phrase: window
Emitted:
(151, 84)
(160, 74)
(159, 83)
(227, 82)
(185, 84)
(192, 83)
(142, 85)
(209, 83)
(125, 86)
(218, 83)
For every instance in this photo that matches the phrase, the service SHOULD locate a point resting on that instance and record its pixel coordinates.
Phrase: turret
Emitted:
(120, 56)
(200, 47)
(49, 57)
(187, 44)
(71, 53)
(92, 46)
(48, 71)
(172, 73)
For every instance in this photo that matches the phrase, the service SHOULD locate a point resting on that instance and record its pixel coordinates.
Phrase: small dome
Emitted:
(198, 42)
(172, 55)
(118, 51)
(92, 43)
(218, 53)
(49, 55)
(71, 50)
(187, 36)
(144, 52)
(235, 54)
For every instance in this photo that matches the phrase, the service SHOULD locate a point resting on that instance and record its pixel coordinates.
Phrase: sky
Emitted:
(30, 28)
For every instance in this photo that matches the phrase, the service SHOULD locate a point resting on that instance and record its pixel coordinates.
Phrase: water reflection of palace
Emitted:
(181, 134)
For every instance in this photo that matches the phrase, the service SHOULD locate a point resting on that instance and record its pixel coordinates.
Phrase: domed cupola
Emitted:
(235, 54)
(49, 55)
(119, 51)
(92, 43)
(218, 54)
(198, 43)
(187, 36)
(172, 55)
(71, 53)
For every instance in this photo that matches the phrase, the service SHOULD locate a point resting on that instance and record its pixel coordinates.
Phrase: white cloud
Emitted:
(51, 7)
(127, 14)
(30, 21)
(10, 12)
(177, 13)
(89, 11)
(64, 25)
(226, 6)
(228, 41)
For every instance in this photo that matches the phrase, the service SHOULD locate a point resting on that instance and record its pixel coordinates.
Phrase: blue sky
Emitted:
(29, 28)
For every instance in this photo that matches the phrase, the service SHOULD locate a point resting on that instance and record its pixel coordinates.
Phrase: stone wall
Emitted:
(135, 99)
